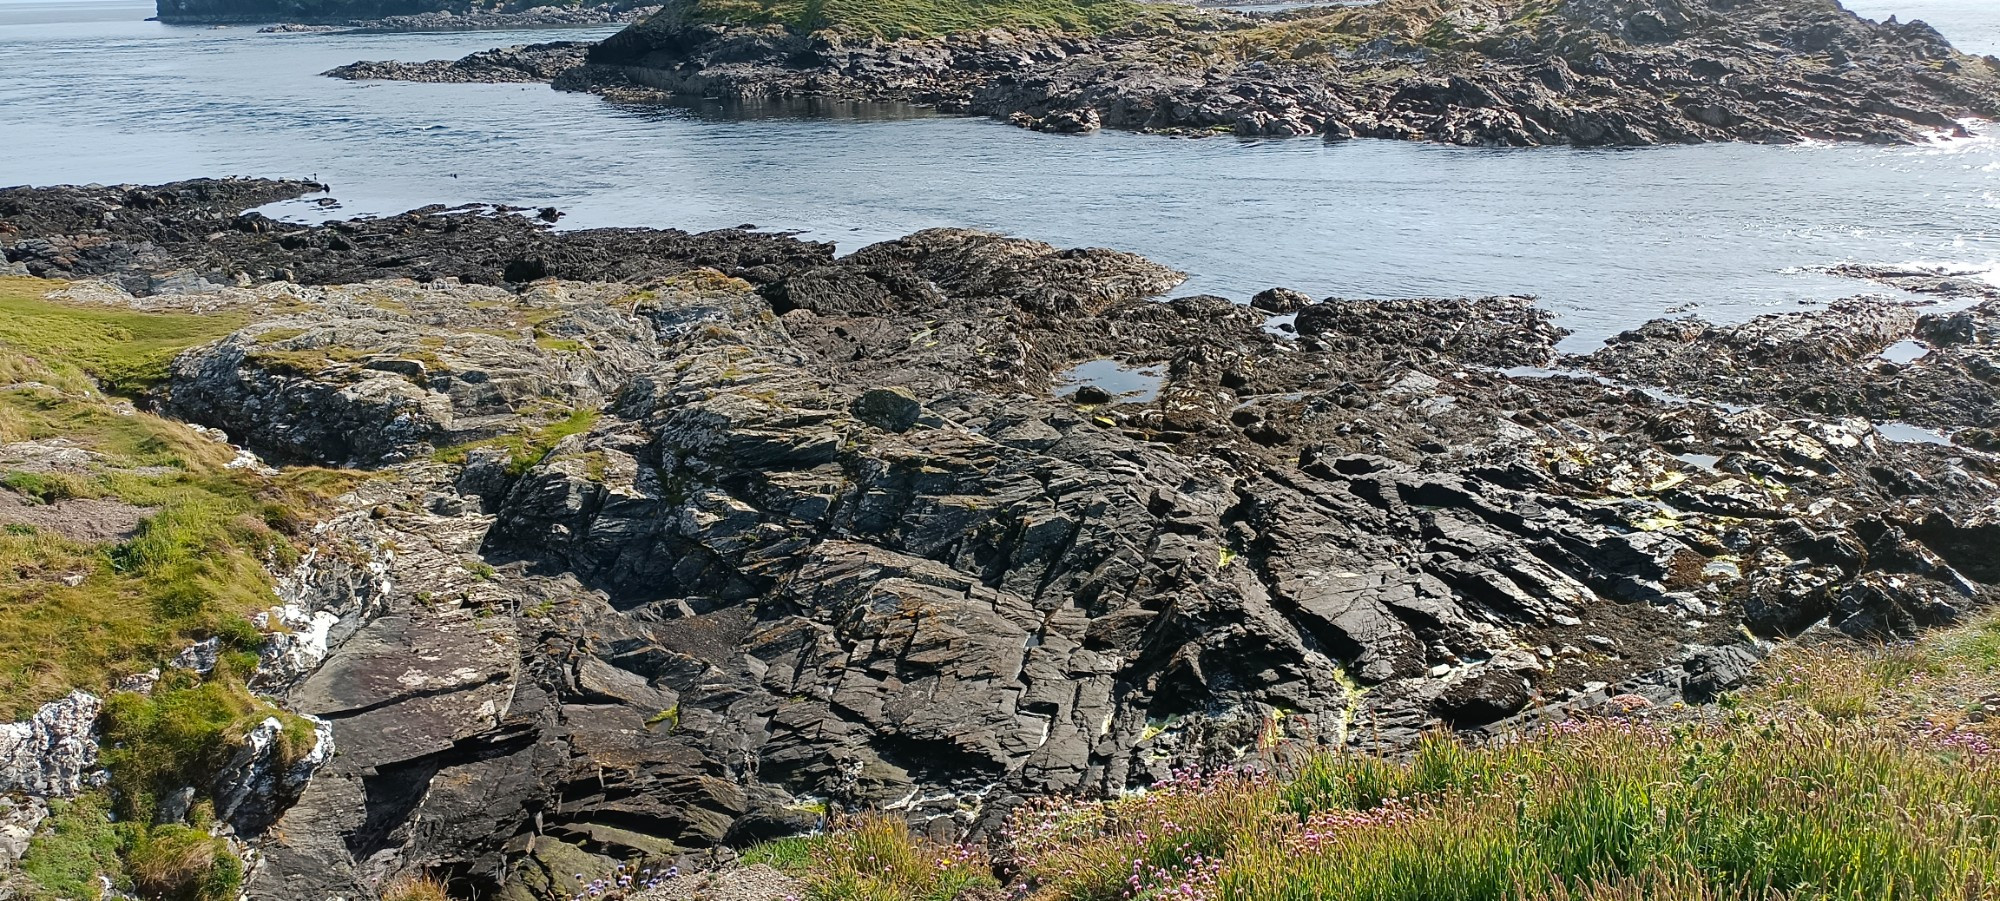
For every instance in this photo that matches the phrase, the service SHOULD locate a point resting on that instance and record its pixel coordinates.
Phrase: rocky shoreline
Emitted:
(838, 533)
(307, 18)
(528, 63)
(1572, 72)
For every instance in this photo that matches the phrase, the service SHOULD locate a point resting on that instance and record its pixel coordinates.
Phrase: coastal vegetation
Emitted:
(80, 608)
(918, 18)
(1844, 773)
(128, 537)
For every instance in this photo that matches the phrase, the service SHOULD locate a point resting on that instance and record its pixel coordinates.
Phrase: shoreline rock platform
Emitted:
(672, 542)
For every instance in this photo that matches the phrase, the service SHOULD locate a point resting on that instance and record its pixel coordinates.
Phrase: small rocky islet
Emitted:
(1470, 72)
(646, 545)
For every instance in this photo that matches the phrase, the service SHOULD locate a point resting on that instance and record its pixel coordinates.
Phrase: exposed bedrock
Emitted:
(831, 539)
(525, 63)
(1577, 72)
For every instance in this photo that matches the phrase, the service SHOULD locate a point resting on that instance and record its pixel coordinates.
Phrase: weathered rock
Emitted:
(1829, 363)
(824, 538)
(20, 817)
(1580, 72)
(525, 63)
(52, 754)
(265, 776)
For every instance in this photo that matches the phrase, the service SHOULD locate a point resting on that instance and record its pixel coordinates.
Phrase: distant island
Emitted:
(1471, 72)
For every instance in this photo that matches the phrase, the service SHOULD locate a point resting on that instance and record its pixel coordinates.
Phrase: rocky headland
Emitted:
(1472, 72)
(400, 15)
(650, 545)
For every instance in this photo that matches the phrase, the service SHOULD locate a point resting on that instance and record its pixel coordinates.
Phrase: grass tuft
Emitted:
(416, 888)
(526, 449)
(877, 859)
(1785, 794)
(176, 863)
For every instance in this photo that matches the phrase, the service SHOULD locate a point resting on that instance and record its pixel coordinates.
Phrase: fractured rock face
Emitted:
(776, 574)
(265, 777)
(666, 566)
(52, 754)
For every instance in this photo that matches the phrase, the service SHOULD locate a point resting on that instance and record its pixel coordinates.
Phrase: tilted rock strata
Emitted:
(829, 540)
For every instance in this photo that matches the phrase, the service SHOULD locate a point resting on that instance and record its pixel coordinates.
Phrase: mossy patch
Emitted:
(550, 342)
(525, 449)
(79, 841)
(127, 351)
(185, 731)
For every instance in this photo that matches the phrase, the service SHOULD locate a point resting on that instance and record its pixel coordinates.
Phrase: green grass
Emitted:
(877, 859)
(921, 18)
(792, 856)
(176, 863)
(125, 350)
(78, 615)
(184, 732)
(79, 841)
(1784, 793)
(526, 449)
(559, 345)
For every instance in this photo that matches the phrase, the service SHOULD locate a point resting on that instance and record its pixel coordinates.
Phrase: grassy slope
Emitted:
(76, 614)
(920, 18)
(1848, 774)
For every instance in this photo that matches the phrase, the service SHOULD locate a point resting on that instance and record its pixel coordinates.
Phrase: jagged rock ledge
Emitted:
(832, 533)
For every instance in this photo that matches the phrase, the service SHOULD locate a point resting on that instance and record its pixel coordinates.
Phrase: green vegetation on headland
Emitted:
(917, 18)
(128, 537)
(77, 612)
(1845, 774)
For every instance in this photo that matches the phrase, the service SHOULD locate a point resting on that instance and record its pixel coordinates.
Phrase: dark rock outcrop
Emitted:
(402, 15)
(1578, 72)
(829, 540)
(191, 234)
(526, 63)
(1833, 363)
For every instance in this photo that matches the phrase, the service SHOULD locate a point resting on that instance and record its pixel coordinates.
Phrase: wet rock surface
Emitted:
(525, 63)
(198, 235)
(1837, 363)
(829, 539)
(1579, 72)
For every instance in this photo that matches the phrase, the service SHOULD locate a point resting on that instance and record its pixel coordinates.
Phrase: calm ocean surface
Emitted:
(89, 92)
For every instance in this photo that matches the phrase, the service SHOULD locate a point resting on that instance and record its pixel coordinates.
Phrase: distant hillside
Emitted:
(321, 12)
